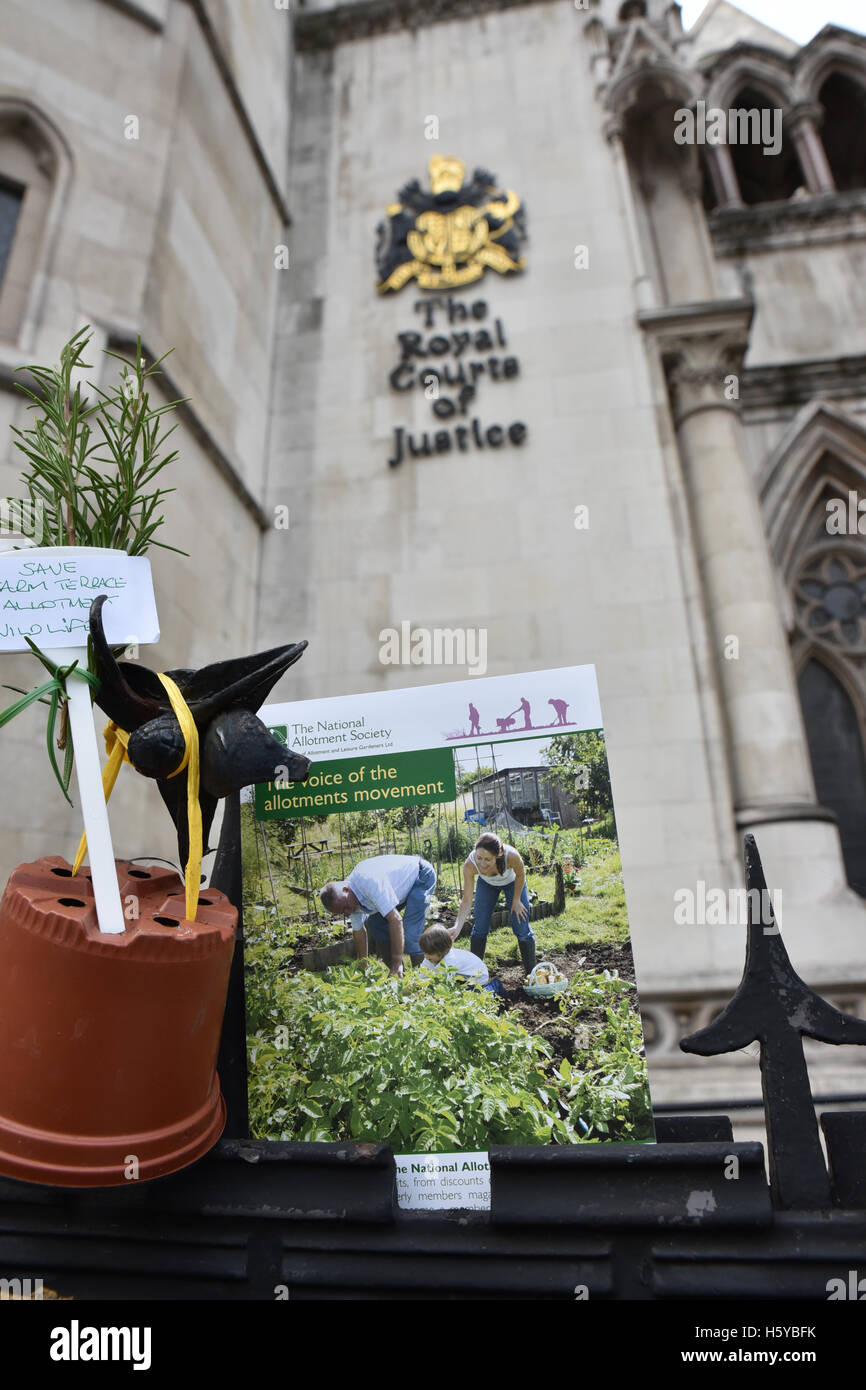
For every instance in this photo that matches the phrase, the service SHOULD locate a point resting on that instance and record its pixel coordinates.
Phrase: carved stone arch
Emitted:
(832, 50)
(40, 160)
(647, 73)
(821, 495)
(822, 574)
(832, 75)
(647, 103)
(823, 449)
(750, 78)
(747, 65)
(666, 177)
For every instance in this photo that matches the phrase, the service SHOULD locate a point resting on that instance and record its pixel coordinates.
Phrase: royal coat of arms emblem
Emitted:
(452, 234)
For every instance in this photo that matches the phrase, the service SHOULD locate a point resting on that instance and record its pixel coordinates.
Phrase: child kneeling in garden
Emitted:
(439, 949)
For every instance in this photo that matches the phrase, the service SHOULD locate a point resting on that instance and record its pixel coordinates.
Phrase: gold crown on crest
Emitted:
(446, 173)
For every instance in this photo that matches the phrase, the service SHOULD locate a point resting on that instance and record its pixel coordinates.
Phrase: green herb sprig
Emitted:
(91, 466)
(85, 504)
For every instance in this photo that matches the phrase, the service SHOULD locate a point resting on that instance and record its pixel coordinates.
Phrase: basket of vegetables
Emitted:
(545, 980)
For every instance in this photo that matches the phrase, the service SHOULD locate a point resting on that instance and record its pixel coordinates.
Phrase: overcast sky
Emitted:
(799, 19)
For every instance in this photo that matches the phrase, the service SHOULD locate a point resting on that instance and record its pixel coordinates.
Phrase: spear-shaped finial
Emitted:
(774, 1007)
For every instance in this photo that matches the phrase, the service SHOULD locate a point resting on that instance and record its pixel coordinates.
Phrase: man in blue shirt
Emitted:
(372, 898)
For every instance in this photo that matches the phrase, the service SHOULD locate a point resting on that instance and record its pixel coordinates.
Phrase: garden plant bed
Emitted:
(542, 1015)
(336, 1052)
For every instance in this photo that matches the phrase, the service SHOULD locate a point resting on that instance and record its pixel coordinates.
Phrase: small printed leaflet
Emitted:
(443, 1182)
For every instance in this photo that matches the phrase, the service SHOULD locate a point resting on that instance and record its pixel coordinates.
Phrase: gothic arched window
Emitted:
(831, 598)
(11, 198)
(830, 603)
(814, 502)
(33, 164)
(844, 130)
(764, 178)
(838, 763)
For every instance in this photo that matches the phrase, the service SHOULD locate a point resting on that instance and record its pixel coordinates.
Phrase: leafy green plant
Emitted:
(457, 842)
(470, 775)
(582, 757)
(424, 1064)
(607, 1080)
(570, 878)
(53, 694)
(91, 468)
(92, 462)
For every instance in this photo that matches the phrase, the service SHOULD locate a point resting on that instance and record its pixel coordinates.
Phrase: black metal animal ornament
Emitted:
(235, 748)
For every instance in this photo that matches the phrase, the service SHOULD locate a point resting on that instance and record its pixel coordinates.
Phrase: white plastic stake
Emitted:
(106, 891)
(54, 587)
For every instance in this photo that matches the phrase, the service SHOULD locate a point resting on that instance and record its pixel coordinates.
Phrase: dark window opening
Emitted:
(763, 178)
(709, 197)
(838, 762)
(844, 130)
(11, 198)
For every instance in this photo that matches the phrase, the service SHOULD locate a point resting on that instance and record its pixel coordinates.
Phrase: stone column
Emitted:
(724, 176)
(702, 348)
(596, 35)
(644, 289)
(803, 123)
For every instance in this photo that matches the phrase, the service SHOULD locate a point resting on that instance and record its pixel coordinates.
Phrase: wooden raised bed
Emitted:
(320, 957)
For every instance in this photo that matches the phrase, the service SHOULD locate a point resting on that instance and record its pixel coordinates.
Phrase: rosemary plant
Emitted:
(92, 462)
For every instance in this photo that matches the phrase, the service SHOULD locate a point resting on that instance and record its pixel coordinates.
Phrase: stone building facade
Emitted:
(690, 387)
(143, 190)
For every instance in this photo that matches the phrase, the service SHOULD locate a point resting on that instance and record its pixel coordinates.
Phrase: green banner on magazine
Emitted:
(361, 784)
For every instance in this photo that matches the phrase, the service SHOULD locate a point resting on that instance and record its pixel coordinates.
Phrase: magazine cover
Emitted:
(437, 944)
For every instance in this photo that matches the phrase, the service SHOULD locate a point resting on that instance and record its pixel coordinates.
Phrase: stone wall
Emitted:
(171, 235)
(487, 538)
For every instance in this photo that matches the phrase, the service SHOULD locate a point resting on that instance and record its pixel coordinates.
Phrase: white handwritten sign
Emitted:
(46, 593)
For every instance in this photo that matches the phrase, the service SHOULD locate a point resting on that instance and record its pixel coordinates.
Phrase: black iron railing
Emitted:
(691, 1216)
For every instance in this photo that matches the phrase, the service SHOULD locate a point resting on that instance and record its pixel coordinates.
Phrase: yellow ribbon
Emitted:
(116, 740)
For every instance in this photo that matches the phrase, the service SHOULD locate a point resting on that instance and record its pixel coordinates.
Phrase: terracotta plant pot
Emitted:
(109, 1043)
